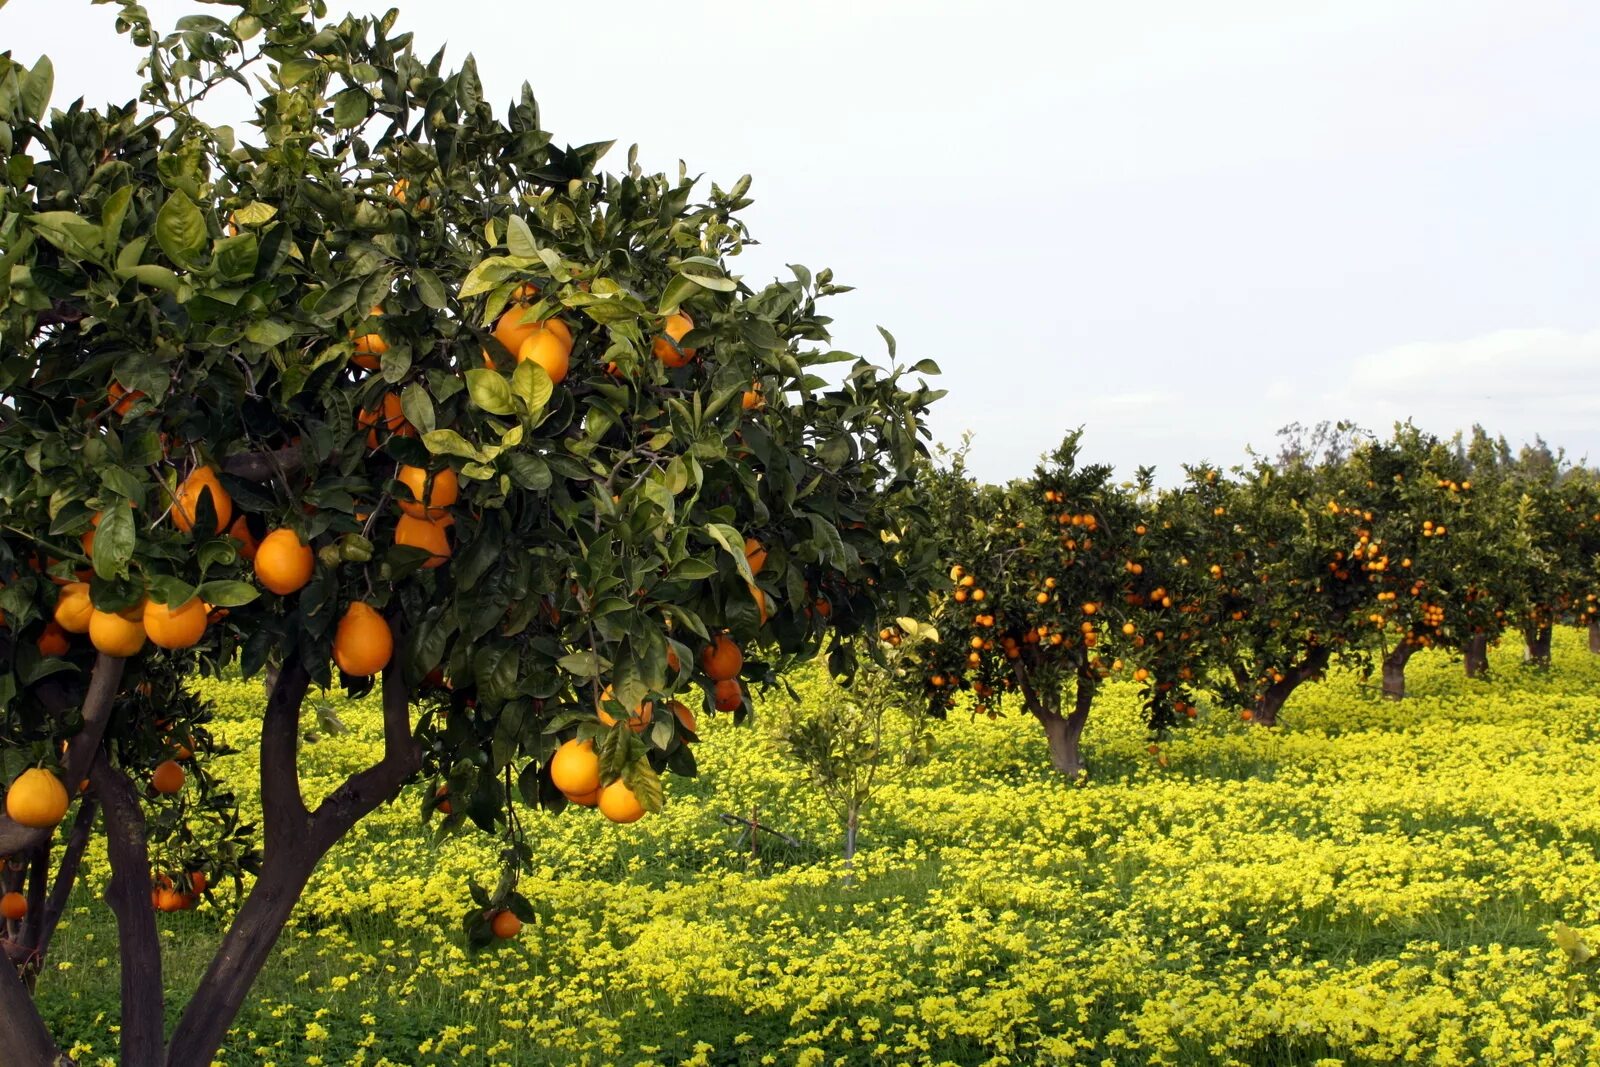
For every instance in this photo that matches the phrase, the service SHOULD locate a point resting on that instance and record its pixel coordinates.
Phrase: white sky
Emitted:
(1180, 224)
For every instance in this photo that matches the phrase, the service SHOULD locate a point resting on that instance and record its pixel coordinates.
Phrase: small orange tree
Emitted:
(391, 388)
(1046, 572)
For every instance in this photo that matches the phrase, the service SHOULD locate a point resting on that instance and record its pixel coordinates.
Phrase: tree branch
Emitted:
(104, 682)
(66, 874)
(264, 466)
(38, 882)
(283, 808)
(128, 893)
(290, 857)
(27, 1040)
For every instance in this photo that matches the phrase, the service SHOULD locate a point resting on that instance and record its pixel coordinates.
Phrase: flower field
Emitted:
(1371, 883)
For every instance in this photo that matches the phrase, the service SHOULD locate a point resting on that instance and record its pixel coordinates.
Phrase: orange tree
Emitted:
(1038, 598)
(1556, 512)
(389, 392)
(1437, 551)
(1269, 577)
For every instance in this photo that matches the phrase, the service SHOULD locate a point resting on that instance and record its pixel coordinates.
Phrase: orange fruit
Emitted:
(37, 799)
(53, 641)
(505, 925)
(588, 800)
(284, 562)
(752, 400)
(442, 796)
(666, 348)
(175, 627)
(430, 535)
(198, 882)
(119, 634)
(638, 719)
(430, 493)
(240, 532)
(682, 713)
(74, 607)
(618, 803)
(726, 695)
(722, 659)
(369, 347)
(755, 554)
(546, 348)
(13, 907)
(511, 331)
(167, 778)
(363, 643)
(185, 509)
(393, 418)
(87, 539)
(761, 603)
(120, 399)
(575, 768)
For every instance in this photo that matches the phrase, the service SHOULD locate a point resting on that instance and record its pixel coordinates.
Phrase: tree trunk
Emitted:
(1064, 733)
(1538, 646)
(1594, 636)
(852, 822)
(1394, 670)
(25, 1040)
(295, 841)
(128, 893)
(1271, 702)
(1476, 656)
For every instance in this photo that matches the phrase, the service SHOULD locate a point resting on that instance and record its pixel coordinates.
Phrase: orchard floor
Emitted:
(1370, 884)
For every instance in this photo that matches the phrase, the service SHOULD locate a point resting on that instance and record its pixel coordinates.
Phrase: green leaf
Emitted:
(295, 71)
(690, 569)
(642, 779)
(490, 391)
(235, 258)
(254, 213)
(112, 212)
(153, 274)
(224, 594)
(532, 385)
(677, 291)
(36, 87)
(519, 239)
(351, 107)
(417, 406)
(269, 332)
(113, 542)
(430, 290)
(165, 589)
(732, 542)
(583, 664)
(180, 229)
(450, 443)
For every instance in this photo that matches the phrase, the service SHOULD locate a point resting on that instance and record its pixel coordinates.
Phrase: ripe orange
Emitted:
(430, 535)
(682, 713)
(240, 532)
(119, 634)
(37, 799)
(667, 351)
(575, 768)
(722, 659)
(284, 562)
(175, 627)
(186, 508)
(430, 493)
(546, 348)
(13, 907)
(726, 695)
(505, 925)
(638, 718)
(589, 800)
(393, 418)
(198, 882)
(442, 796)
(752, 400)
(511, 331)
(755, 554)
(53, 641)
(369, 347)
(120, 399)
(73, 608)
(761, 603)
(167, 778)
(618, 803)
(363, 643)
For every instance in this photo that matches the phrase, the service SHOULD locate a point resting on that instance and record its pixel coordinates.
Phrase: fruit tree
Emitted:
(386, 390)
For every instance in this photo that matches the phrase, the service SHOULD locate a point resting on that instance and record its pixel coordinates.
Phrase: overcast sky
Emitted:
(1181, 225)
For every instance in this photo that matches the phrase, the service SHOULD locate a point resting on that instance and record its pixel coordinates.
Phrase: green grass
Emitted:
(1372, 881)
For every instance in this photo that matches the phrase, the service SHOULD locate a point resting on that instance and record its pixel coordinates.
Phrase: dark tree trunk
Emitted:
(1394, 670)
(1594, 636)
(1064, 733)
(25, 1041)
(1271, 702)
(128, 893)
(294, 840)
(66, 875)
(1476, 656)
(1538, 642)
